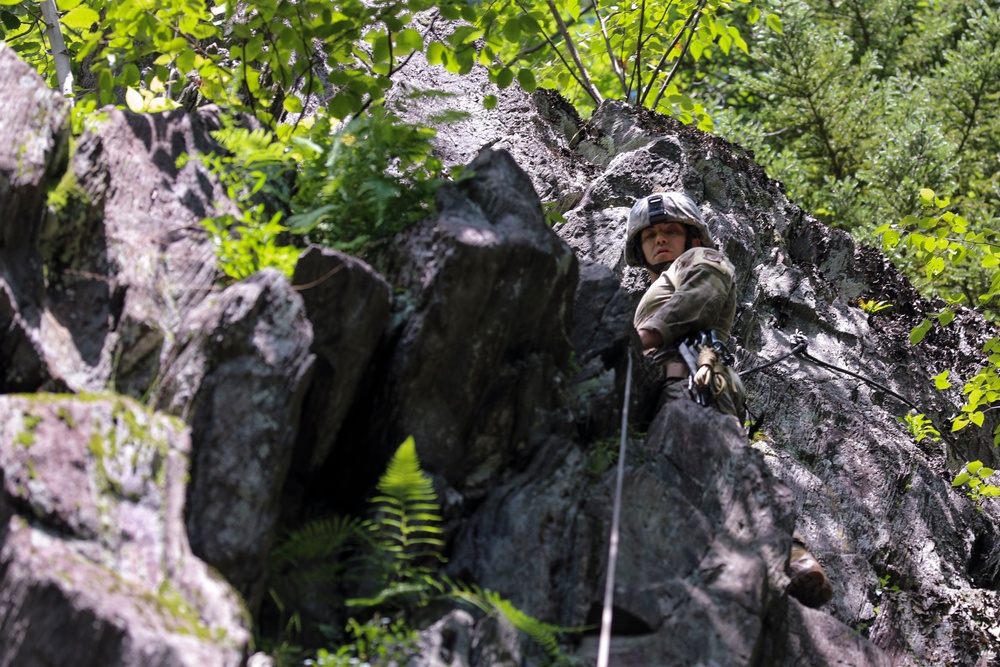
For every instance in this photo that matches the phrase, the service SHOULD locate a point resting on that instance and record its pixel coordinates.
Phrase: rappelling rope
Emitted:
(604, 646)
(800, 349)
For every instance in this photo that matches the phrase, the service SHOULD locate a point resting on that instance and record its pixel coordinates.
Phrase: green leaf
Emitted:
(380, 48)
(504, 77)
(919, 331)
(185, 61)
(303, 223)
(10, 21)
(945, 317)
(974, 466)
(438, 53)
(961, 479)
(512, 31)
(753, 15)
(105, 85)
(986, 473)
(941, 380)
(490, 101)
(774, 23)
(80, 18)
(410, 40)
(977, 418)
(134, 100)
(130, 75)
(926, 196)
(526, 79)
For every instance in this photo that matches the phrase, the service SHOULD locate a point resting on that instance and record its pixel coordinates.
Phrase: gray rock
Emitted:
(34, 143)
(486, 256)
(537, 129)
(96, 566)
(239, 378)
(348, 305)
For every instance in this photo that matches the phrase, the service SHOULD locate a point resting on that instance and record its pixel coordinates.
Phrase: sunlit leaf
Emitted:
(134, 100)
(80, 18)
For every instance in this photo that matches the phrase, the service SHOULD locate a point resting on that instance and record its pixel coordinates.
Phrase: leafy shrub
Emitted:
(373, 178)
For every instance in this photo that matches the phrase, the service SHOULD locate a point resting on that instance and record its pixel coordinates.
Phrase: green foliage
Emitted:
(947, 257)
(249, 169)
(882, 588)
(920, 427)
(378, 641)
(589, 51)
(946, 248)
(962, 266)
(246, 244)
(871, 306)
(372, 179)
(396, 556)
(974, 476)
(263, 57)
(407, 526)
(855, 104)
(365, 183)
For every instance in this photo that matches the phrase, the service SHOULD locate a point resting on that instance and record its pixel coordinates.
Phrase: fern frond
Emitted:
(493, 604)
(412, 593)
(404, 481)
(407, 514)
(320, 539)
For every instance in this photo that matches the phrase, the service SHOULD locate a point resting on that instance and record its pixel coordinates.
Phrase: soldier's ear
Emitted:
(696, 242)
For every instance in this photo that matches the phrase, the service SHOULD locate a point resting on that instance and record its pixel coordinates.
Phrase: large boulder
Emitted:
(95, 562)
(239, 378)
(489, 295)
(34, 143)
(349, 305)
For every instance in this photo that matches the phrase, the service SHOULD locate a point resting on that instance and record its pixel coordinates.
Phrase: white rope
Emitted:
(604, 647)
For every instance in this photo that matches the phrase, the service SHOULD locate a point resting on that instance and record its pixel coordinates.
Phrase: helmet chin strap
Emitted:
(659, 268)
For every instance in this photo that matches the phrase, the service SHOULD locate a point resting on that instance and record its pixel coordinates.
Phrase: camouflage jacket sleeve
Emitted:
(696, 294)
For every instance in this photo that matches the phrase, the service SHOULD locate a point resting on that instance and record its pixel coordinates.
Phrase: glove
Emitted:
(707, 359)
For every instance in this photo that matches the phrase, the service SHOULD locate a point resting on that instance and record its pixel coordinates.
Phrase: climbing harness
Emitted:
(604, 646)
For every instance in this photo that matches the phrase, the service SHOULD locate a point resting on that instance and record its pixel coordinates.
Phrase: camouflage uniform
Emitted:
(695, 294)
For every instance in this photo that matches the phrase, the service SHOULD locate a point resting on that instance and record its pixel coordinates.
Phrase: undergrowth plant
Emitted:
(393, 558)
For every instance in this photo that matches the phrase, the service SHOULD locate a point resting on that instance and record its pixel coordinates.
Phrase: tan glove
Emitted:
(707, 359)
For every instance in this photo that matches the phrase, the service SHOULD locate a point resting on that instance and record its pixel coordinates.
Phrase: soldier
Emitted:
(684, 320)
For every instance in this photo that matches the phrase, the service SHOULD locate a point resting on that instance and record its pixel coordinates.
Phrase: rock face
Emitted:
(874, 505)
(96, 567)
(502, 345)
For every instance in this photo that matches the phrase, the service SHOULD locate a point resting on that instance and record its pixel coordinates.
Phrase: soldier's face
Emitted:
(664, 242)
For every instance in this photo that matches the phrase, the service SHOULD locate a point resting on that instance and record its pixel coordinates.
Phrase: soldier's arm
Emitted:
(695, 306)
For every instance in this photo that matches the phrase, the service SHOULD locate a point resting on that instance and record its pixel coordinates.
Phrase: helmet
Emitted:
(662, 207)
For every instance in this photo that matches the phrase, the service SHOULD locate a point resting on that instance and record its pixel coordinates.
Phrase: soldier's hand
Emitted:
(707, 358)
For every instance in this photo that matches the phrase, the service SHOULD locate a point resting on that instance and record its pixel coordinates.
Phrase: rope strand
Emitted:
(604, 646)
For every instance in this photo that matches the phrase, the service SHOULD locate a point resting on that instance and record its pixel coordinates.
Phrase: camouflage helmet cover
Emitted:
(662, 207)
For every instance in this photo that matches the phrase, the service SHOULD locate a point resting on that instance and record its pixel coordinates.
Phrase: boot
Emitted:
(809, 584)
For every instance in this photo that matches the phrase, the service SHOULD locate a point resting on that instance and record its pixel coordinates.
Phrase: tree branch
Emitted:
(689, 27)
(64, 73)
(564, 31)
